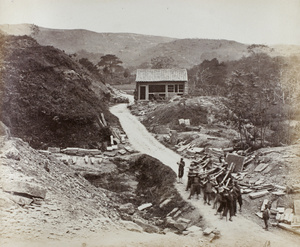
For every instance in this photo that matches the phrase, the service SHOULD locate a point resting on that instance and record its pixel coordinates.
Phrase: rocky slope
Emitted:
(47, 98)
(44, 199)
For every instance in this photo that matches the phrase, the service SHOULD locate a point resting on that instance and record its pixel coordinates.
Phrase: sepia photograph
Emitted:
(163, 123)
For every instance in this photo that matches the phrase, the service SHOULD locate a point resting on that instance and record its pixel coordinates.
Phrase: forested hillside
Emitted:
(262, 93)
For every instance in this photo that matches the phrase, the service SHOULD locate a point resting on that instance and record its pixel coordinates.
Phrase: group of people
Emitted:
(225, 197)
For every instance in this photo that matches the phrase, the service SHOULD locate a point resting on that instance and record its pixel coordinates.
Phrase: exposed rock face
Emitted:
(34, 201)
(25, 188)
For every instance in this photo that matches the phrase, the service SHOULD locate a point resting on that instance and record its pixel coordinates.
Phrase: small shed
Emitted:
(160, 84)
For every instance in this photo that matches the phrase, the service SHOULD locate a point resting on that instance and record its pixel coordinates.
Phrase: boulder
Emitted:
(20, 200)
(207, 231)
(127, 208)
(147, 227)
(181, 226)
(194, 229)
(161, 130)
(258, 194)
(131, 226)
(27, 188)
(12, 153)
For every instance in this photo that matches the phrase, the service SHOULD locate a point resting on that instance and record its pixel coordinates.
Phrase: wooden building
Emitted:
(160, 84)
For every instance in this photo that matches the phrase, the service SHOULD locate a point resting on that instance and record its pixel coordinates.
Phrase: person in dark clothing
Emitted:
(195, 187)
(234, 200)
(181, 165)
(191, 174)
(237, 191)
(228, 205)
(222, 202)
(217, 199)
(266, 216)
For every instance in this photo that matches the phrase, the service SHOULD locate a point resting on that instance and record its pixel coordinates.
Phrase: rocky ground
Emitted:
(97, 200)
(280, 164)
(47, 200)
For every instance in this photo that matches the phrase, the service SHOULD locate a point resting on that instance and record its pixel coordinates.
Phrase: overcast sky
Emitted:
(246, 21)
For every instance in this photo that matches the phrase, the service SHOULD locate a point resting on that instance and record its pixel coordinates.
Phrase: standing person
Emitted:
(195, 187)
(237, 191)
(191, 174)
(181, 165)
(217, 199)
(237, 197)
(227, 204)
(208, 191)
(266, 216)
(222, 202)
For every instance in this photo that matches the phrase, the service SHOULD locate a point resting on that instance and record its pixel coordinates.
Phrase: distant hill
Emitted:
(125, 45)
(47, 98)
(136, 49)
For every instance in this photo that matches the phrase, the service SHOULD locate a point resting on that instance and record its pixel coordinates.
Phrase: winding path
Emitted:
(240, 232)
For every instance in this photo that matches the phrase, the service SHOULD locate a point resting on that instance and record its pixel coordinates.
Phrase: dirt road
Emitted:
(240, 232)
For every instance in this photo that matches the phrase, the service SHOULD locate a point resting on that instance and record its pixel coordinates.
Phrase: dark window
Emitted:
(157, 88)
(181, 89)
(170, 88)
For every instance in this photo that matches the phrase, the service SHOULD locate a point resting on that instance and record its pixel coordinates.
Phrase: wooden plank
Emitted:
(144, 206)
(278, 193)
(297, 207)
(128, 149)
(246, 191)
(122, 151)
(258, 194)
(261, 167)
(103, 119)
(283, 188)
(259, 214)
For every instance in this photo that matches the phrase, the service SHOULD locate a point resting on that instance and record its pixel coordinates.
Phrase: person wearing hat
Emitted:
(223, 202)
(237, 191)
(266, 216)
(181, 165)
(191, 174)
(195, 187)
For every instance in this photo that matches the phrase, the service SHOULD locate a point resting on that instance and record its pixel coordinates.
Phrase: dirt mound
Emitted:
(199, 121)
(42, 197)
(199, 110)
(144, 180)
(48, 99)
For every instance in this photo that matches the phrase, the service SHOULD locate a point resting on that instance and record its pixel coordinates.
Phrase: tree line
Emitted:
(109, 69)
(262, 94)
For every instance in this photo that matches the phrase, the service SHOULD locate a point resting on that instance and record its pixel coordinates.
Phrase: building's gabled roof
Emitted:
(148, 75)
